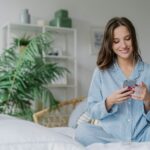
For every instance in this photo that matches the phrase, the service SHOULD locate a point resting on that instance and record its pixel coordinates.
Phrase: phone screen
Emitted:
(129, 83)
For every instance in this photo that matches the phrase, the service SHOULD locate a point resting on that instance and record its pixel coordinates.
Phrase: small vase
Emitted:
(25, 16)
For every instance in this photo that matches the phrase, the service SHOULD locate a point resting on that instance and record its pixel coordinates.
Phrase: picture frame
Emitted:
(96, 37)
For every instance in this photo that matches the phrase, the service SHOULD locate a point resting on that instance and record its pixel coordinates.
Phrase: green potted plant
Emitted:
(21, 42)
(24, 76)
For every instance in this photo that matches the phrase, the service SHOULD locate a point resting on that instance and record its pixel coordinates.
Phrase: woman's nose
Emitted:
(123, 44)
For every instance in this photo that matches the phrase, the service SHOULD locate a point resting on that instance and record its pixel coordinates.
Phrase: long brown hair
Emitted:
(106, 56)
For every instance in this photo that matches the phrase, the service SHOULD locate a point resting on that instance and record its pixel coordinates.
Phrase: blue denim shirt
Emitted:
(127, 119)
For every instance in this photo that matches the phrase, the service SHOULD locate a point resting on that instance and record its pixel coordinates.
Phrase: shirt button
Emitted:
(129, 120)
(129, 103)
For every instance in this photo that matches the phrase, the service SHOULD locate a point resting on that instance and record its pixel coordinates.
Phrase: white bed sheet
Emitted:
(120, 146)
(16, 134)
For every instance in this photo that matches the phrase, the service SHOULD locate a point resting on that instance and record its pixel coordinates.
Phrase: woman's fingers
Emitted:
(127, 93)
(122, 95)
(122, 90)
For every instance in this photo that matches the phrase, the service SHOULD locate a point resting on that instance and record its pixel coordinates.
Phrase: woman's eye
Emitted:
(128, 38)
(115, 41)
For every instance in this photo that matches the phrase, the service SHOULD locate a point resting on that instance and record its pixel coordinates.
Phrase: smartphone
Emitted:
(130, 84)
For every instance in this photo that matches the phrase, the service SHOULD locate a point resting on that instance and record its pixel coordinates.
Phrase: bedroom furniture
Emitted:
(63, 51)
(60, 116)
(70, 113)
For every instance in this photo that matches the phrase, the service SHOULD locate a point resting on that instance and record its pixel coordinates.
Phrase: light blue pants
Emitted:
(88, 134)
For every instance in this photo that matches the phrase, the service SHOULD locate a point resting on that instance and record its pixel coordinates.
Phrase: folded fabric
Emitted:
(85, 117)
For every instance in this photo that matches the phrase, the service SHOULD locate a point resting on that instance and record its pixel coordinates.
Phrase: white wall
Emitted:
(85, 13)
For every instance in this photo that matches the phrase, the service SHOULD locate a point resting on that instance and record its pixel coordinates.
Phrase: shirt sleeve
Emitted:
(146, 115)
(96, 102)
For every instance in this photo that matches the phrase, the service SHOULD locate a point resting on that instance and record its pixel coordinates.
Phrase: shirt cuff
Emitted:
(110, 112)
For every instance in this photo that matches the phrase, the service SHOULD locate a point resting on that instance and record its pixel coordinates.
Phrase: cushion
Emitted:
(76, 113)
(85, 117)
(80, 115)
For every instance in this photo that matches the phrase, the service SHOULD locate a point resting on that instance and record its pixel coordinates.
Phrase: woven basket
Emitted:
(58, 117)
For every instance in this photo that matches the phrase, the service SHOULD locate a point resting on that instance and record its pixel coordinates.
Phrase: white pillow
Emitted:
(76, 113)
(80, 115)
(85, 117)
(16, 134)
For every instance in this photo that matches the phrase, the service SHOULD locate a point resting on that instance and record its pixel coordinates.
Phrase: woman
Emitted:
(119, 92)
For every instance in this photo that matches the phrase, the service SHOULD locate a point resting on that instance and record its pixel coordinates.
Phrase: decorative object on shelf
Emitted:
(56, 52)
(24, 76)
(53, 53)
(41, 22)
(96, 37)
(21, 42)
(61, 19)
(25, 17)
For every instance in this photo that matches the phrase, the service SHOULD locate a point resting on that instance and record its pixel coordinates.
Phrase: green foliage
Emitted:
(22, 41)
(23, 77)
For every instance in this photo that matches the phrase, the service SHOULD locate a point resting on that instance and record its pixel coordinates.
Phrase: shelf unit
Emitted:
(65, 41)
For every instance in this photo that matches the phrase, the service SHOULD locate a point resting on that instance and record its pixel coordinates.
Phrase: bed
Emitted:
(17, 134)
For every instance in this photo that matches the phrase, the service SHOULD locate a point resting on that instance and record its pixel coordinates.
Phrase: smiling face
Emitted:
(119, 42)
(122, 43)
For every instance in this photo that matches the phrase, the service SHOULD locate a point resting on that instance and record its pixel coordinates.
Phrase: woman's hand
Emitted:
(141, 93)
(118, 97)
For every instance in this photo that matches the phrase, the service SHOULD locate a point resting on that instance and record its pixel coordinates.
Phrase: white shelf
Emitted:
(22, 27)
(59, 57)
(64, 41)
(61, 86)
(59, 30)
(34, 27)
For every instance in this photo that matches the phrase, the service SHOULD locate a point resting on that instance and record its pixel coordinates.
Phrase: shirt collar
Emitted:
(137, 70)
